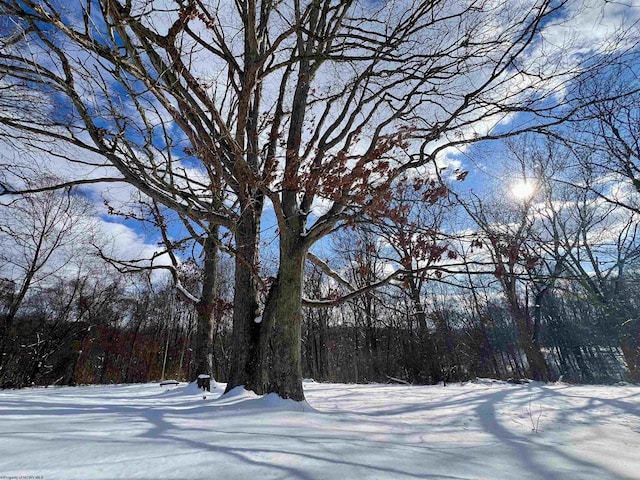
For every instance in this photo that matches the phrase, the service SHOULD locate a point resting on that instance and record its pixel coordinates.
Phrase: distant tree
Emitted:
(316, 326)
(412, 240)
(563, 231)
(585, 232)
(605, 136)
(195, 281)
(507, 235)
(602, 255)
(42, 235)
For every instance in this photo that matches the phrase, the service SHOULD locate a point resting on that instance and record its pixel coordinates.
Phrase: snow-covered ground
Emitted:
(483, 430)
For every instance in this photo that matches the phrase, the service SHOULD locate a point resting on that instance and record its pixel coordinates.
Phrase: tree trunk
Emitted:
(250, 334)
(630, 345)
(323, 351)
(431, 367)
(203, 362)
(538, 368)
(283, 315)
(527, 336)
(266, 355)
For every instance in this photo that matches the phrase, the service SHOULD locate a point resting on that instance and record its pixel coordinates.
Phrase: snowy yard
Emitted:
(483, 430)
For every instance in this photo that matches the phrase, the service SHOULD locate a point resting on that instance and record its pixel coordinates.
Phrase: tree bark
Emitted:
(247, 366)
(283, 316)
(205, 309)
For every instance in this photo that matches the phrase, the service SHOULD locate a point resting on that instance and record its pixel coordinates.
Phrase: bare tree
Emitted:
(585, 232)
(563, 231)
(599, 244)
(509, 245)
(205, 244)
(607, 131)
(42, 236)
(414, 242)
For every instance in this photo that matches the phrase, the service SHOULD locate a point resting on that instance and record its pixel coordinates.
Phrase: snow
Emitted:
(480, 430)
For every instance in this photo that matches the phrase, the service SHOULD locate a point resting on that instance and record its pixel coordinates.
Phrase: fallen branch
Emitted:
(397, 380)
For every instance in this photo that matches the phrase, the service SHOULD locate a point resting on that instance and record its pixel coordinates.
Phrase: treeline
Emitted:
(112, 332)
(582, 342)
(123, 329)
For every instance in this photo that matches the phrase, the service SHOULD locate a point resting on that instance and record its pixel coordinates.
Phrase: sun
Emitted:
(523, 190)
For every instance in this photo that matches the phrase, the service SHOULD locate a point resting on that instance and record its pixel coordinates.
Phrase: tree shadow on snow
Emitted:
(361, 440)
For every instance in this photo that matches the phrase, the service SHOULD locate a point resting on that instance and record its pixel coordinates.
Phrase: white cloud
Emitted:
(123, 243)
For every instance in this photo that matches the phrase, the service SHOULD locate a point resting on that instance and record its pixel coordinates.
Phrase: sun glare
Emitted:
(523, 190)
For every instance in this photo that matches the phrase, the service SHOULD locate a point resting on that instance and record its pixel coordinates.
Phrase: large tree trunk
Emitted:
(203, 362)
(266, 355)
(250, 334)
(283, 315)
